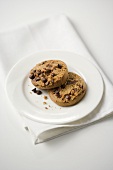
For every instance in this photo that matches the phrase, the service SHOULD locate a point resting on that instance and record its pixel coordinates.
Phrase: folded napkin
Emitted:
(53, 33)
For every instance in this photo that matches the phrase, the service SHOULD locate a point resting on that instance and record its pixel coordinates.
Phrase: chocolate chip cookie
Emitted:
(69, 93)
(49, 74)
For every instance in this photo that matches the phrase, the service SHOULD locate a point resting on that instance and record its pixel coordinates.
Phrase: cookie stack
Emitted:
(65, 88)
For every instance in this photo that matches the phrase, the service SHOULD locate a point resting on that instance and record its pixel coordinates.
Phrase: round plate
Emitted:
(19, 89)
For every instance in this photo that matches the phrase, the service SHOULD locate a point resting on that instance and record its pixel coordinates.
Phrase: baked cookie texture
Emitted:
(49, 74)
(71, 92)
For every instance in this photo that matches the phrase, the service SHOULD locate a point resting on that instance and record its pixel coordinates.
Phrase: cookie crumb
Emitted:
(34, 90)
(44, 103)
(45, 97)
(30, 92)
(38, 92)
(46, 107)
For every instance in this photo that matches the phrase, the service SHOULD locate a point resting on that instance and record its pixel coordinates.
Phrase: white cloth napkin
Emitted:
(53, 33)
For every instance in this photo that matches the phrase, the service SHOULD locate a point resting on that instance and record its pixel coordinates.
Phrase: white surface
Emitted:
(89, 148)
(39, 36)
(18, 89)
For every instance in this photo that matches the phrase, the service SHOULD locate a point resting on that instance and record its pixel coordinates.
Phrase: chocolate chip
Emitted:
(48, 65)
(56, 92)
(43, 62)
(59, 66)
(37, 78)
(42, 74)
(68, 97)
(63, 86)
(53, 74)
(58, 95)
(38, 72)
(34, 71)
(34, 90)
(31, 76)
(48, 71)
(44, 80)
(70, 82)
(43, 71)
(38, 92)
(83, 91)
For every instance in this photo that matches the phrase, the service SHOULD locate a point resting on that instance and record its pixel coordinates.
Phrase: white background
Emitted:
(90, 148)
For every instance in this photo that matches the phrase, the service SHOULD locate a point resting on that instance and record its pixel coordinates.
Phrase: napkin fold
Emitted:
(58, 33)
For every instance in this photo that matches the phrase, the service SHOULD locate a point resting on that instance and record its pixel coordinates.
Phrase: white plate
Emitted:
(18, 89)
